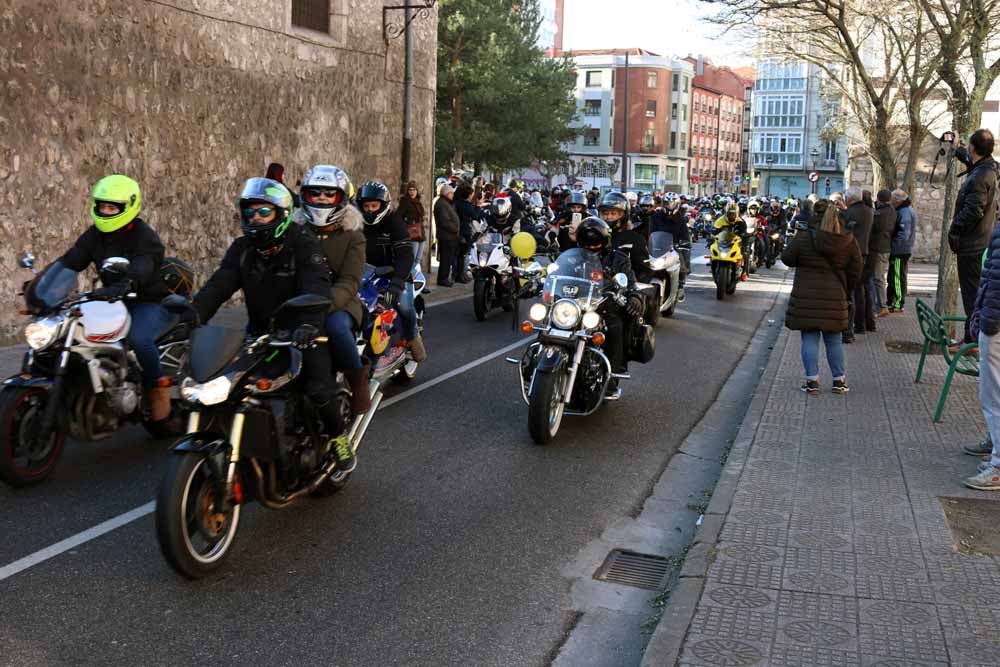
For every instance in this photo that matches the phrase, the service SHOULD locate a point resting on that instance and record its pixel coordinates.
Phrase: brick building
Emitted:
(717, 119)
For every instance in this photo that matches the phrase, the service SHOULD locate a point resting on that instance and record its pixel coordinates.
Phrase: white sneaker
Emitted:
(988, 479)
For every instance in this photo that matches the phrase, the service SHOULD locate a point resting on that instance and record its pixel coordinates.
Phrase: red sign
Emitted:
(694, 179)
(813, 177)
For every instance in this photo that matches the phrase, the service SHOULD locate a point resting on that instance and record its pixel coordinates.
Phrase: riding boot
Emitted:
(159, 399)
(357, 379)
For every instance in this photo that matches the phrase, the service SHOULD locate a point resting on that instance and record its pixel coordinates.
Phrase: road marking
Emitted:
(450, 299)
(114, 523)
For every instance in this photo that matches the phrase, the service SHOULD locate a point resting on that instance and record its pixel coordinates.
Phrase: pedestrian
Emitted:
(984, 323)
(975, 215)
(411, 210)
(880, 246)
(903, 236)
(858, 220)
(468, 215)
(828, 266)
(446, 226)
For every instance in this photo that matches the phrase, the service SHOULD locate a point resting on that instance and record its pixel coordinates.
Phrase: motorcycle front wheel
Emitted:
(26, 458)
(195, 529)
(481, 298)
(720, 274)
(545, 407)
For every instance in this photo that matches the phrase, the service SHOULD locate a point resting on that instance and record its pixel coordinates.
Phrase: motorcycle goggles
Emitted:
(333, 196)
(261, 211)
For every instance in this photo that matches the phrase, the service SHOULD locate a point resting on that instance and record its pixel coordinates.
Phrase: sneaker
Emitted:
(987, 479)
(680, 295)
(982, 448)
(417, 349)
(346, 460)
(840, 387)
(983, 465)
(810, 386)
(882, 313)
(390, 357)
(847, 340)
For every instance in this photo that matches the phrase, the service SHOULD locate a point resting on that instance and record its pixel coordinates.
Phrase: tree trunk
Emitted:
(456, 114)
(947, 287)
(917, 136)
(883, 161)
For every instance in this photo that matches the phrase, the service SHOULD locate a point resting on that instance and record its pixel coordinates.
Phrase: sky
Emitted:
(667, 27)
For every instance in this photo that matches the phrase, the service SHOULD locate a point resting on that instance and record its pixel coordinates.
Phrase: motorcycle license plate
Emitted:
(559, 333)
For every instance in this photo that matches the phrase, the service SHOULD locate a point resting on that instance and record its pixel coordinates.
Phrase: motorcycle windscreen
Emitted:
(576, 274)
(660, 243)
(51, 287)
(212, 348)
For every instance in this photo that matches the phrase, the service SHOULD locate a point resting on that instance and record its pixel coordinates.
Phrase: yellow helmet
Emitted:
(121, 191)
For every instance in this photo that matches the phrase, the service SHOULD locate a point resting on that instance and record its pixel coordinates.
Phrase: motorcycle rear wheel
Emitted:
(545, 407)
(194, 536)
(24, 462)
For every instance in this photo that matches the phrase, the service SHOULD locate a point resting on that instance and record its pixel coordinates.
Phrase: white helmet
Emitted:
(325, 177)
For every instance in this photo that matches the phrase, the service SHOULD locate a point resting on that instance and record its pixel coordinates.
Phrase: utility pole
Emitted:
(407, 97)
(625, 130)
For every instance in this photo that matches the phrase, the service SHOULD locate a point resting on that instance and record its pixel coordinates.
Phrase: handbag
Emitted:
(414, 229)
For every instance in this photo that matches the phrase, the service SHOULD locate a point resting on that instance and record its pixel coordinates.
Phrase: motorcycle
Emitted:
(665, 263)
(775, 245)
(379, 323)
(564, 370)
(253, 435)
(749, 243)
(726, 258)
(492, 274)
(78, 377)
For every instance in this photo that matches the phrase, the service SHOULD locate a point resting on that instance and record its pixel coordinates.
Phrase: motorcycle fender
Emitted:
(25, 380)
(207, 442)
(550, 359)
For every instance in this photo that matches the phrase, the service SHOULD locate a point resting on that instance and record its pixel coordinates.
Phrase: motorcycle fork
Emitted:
(55, 392)
(235, 437)
(581, 346)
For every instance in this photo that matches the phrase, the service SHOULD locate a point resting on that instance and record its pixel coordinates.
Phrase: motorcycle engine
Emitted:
(123, 399)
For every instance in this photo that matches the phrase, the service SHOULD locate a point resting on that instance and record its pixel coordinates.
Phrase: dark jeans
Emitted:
(446, 256)
(862, 311)
(970, 267)
(895, 287)
(462, 259)
(342, 345)
(615, 339)
(148, 319)
(318, 373)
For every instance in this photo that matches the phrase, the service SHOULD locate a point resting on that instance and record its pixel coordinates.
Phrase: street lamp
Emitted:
(768, 161)
(814, 154)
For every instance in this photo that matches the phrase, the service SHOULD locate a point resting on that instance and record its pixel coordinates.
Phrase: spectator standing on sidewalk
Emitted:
(446, 226)
(828, 266)
(975, 215)
(903, 236)
(858, 220)
(880, 247)
(468, 214)
(411, 209)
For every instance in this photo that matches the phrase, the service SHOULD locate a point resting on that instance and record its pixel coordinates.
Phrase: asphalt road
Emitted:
(444, 549)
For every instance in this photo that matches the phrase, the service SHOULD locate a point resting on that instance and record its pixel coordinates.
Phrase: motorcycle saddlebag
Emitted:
(642, 344)
(177, 276)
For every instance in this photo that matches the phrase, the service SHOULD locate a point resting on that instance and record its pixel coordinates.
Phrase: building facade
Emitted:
(658, 110)
(191, 98)
(793, 132)
(550, 30)
(716, 159)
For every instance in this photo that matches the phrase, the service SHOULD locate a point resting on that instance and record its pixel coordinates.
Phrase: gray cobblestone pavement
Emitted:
(835, 550)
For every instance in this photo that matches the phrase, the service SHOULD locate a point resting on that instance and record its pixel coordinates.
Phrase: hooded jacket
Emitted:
(905, 232)
(825, 266)
(345, 256)
(975, 209)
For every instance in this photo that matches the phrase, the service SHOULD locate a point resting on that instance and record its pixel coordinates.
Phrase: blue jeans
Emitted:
(342, 344)
(418, 251)
(834, 353)
(407, 313)
(148, 319)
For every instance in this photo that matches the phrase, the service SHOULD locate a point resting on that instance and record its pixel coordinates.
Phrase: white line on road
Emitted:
(114, 523)
(450, 299)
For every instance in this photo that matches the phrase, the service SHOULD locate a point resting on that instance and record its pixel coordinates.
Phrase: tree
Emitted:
(501, 102)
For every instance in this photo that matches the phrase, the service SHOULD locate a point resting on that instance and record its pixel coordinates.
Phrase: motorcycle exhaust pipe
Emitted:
(270, 498)
(355, 435)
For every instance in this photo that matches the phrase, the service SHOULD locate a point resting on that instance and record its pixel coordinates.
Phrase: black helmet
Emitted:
(374, 191)
(616, 201)
(267, 238)
(577, 197)
(646, 205)
(593, 234)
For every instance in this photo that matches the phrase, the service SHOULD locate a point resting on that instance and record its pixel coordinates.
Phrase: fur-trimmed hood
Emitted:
(350, 222)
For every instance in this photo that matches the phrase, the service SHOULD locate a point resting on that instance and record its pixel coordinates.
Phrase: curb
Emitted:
(664, 646)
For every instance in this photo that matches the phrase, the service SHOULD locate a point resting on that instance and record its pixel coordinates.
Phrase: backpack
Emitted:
(176, 276)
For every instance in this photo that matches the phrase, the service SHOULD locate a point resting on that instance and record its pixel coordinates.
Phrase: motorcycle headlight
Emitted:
(591, 320)
(40, 333)
(210, 393)
(565, 314)
(538, 312)
(775, 236)
(483, 258)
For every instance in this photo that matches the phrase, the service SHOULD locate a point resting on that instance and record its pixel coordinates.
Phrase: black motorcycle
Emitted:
(253, 434)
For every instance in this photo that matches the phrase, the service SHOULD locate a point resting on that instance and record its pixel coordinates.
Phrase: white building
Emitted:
(549, 28)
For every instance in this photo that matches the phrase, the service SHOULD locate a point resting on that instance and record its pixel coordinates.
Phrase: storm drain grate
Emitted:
(904, 346)
(634, 569)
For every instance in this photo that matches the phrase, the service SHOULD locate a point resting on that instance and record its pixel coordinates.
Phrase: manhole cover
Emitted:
(634, 569)
(904, 346)
(973, 524)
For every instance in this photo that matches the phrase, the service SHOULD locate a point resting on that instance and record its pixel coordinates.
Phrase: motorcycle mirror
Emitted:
(115, 265)
(621, 280)
(26, 261)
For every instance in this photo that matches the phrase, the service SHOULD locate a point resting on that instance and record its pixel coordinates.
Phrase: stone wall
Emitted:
(190, 97)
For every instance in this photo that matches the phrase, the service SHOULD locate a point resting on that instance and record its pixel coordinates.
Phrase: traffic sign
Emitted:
(813, 177)
(737, 180)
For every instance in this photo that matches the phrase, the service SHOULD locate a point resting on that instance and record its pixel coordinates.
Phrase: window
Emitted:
(673, 141)
(670, 174)
(779, 111)
(673, 110)
(677, 81)
(684, 112)
(646, 173)
(649, 140)
(611, 138)
(311, 14)
(591, 107)
(651, 79)
(591, 137)
(594, 79)
(829, 153)
(684, 141)
(650, 108)
(784, 148)
(778, 75)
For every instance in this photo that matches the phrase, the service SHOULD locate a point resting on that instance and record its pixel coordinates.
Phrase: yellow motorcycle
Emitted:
(726, 257)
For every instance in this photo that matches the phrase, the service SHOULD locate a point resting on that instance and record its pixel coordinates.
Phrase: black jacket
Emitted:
(467, 214)
(617, 261)
(884, 224)
(674, 224)
(267, 282)
(137, 242)
(975, 209)
(858, 220)
(388, 244)
(637, 254)
(988, 297)
(827, 268)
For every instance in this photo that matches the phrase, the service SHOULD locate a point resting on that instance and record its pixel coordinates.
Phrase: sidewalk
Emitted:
(826, 541)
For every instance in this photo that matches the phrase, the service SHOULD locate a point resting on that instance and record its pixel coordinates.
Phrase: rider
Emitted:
(614, 210)
(673, 220)
(337, 225)
(731, 220)
(272, 262)
(594, 235)
(776, 218)
(118, 232)
(647, 204)
(569, 218)
(389, 245)
(513, 193)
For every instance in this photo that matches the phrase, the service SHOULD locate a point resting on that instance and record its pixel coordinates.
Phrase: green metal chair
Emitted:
(934, 328)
